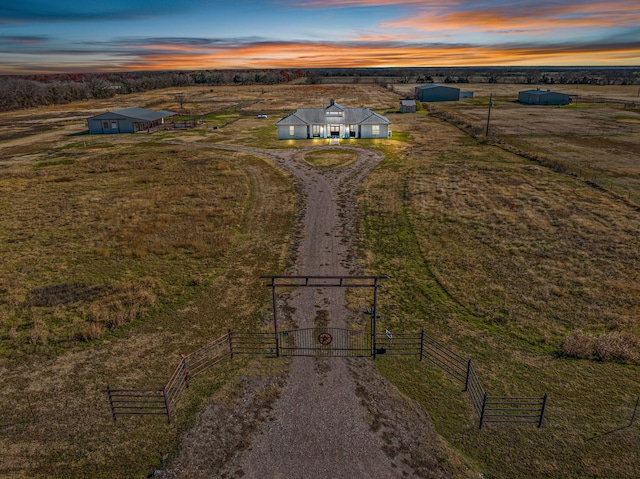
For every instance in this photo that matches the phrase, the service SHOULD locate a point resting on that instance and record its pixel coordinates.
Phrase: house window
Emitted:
(292, 130)
(334, 130)
(105, 125)
(315, 131)
(114, 125)
(352, 130)
(375, 130)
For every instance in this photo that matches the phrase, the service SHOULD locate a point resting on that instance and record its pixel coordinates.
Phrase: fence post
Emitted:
(185, 372)
(421, 344)
(275, 317)
(484, 405)
(113, 410)
(544, 406)
(466, 382)
(230, 339)
(166, 403)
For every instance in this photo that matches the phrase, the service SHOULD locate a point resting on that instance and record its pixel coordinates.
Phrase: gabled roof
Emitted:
(135, 113)
(343, 115)
(408, 102)
(374, 119)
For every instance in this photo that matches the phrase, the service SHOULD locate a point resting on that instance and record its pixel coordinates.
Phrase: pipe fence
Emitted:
(488, 408)
(128, 402)
(164, 400)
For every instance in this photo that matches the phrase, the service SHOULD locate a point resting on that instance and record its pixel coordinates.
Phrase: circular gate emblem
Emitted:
(325, 338)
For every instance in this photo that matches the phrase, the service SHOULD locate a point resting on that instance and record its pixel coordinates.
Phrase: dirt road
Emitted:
(323, 417)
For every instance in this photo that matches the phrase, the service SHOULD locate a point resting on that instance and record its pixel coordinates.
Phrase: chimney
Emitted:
(331, 102)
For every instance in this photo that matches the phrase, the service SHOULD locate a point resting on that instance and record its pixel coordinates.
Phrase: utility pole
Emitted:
(489, 114)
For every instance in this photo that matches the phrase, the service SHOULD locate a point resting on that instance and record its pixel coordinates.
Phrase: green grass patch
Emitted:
(330, 158)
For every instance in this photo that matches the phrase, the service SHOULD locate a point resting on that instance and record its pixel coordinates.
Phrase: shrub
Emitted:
(578, 345)
(616, 346)
(613, 346)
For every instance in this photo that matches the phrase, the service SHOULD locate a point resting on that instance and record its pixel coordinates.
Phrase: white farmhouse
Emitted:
(334, 121)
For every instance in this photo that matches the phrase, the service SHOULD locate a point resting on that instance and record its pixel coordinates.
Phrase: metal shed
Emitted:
(127, 120)
(543, 97)
(437, 93)
(407, 106)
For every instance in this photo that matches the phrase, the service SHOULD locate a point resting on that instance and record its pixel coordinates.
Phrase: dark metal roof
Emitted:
(135, 113)
(433, 85)
(537, 91)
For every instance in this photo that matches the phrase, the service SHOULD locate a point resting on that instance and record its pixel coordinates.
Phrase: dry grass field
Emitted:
(119, 253)
(525, 270)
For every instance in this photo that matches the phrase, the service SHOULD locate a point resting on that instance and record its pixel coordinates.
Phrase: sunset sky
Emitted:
(46, 36)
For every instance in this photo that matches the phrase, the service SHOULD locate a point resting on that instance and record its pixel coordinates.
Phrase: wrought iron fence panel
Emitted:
(325, 342)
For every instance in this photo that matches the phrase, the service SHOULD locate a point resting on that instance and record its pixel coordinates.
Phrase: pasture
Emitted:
(119, 253)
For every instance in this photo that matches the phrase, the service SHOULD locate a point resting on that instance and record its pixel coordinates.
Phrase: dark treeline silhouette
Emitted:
(26, 91)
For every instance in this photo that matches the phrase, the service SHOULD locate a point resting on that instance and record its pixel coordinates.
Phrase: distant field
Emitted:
(119, 253)
(597, 137)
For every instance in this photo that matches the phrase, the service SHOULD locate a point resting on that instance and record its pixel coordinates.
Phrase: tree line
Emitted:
(27, 91)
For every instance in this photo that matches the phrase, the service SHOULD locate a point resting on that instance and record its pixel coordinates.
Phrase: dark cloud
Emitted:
(23, 40)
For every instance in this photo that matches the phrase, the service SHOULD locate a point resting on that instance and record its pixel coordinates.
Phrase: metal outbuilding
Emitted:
(407, 106)
(437, 93)
(543, 97)
(127, 120)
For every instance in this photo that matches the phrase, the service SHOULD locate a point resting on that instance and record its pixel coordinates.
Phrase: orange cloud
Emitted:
(321, 55)
(525, 18)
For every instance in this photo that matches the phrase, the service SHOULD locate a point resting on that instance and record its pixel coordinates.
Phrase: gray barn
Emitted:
(127, 120)
(543, 97)
(334, 121)
(437, 93)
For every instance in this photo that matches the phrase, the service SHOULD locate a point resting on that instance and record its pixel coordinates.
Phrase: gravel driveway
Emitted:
(320, 417)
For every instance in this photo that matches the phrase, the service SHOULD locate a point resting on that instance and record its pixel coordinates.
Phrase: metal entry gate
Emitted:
(325, 342)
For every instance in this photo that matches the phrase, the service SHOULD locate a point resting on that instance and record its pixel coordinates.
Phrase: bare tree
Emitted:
(181, 98)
